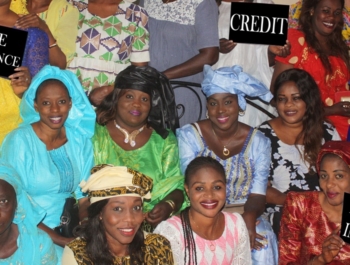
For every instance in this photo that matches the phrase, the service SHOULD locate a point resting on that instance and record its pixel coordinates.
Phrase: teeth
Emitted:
(328, 24)
(56, 118)
(127, 230)
(209, 204)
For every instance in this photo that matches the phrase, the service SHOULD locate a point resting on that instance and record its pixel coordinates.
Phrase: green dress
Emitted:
(158, 159)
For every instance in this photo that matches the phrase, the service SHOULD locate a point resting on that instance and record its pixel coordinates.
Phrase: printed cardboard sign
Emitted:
(259, 23)
(12, 46)
(345, 223)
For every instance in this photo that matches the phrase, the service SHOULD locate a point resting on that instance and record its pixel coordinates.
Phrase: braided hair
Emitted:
(190, 257)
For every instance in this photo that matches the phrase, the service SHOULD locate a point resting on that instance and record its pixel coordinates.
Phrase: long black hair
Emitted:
(196, 164)
(96, 242)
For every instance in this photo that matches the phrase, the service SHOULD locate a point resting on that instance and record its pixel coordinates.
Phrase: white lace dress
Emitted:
(231, 248)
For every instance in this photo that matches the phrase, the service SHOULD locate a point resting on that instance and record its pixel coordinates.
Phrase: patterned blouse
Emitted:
(157, 250)
(288, 170)
(106, 46)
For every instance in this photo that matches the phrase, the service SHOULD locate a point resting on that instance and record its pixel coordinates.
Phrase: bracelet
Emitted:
(53, 45)
(172, 205)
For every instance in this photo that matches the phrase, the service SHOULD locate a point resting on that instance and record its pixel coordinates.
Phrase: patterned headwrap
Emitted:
(81, 116)
(233, 80)
(110, 181)
(339, 148)
(163, 114)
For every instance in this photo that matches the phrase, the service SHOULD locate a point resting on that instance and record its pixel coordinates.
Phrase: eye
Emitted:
(138, 208)
(338, 13)
(323, 176)
(212, 103)
(326, 11)
(217, 187)
(339, 176)
(62, 101)
(117, 209)
(228, 102)
(144, 99)
(45, 103)
(281, 99)
(3, 201)
(199, 188)
(128, 96)
(296, 98)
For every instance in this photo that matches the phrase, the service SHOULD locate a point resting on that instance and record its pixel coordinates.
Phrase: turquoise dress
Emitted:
(246, 172)
(34, 245)
(51, 176)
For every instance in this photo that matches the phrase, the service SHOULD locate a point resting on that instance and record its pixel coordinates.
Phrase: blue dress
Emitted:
(246, 172)
(34, 246)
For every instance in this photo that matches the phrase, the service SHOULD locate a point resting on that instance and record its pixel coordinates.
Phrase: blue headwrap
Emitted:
(233, 80)
(81, 116)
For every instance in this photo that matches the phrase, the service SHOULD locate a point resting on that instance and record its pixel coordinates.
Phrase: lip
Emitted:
(209, 204)
(127, 231)
(329, 25)
(332, 195)
(56, 120)
(222, 119)
(135, 113)
(290, 112)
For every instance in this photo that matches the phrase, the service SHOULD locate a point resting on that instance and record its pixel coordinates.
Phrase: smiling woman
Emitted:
(311, 220)
(55, 151)
(113, 233)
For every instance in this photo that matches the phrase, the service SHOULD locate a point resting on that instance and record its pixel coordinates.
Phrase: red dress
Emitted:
(304, 227)
(303, 57)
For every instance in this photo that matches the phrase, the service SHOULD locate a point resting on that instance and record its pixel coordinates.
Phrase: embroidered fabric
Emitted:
(181, 11)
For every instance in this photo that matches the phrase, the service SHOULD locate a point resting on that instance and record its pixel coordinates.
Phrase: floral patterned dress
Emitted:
(288, 170)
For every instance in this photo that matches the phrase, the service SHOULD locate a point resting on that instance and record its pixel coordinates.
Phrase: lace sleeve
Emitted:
(242, 255)
(173, 235)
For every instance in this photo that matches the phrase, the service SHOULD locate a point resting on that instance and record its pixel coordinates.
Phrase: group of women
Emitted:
(242, 186)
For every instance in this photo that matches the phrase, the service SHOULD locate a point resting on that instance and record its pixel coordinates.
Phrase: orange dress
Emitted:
(304, 227)
(303, 57)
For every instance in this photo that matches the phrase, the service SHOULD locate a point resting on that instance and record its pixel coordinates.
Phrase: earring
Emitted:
(100, 218)
(207, 115)
(241, 112)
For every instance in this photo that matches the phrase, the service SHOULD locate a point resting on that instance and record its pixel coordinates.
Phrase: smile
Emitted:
(209, 204)
(328, 25)
(290, 112)
(56, 120)
(223, 119)
(127, 231)
(332, 195)
(135, 113)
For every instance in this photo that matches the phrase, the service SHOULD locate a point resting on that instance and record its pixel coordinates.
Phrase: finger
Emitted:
(258, 236)
(258, 245)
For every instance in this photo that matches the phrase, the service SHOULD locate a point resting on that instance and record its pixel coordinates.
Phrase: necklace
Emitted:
(212, 245)
(225, 151)
(129, 137)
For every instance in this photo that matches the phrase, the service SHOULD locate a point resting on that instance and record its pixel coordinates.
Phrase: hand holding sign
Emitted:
(226, 45)
(20, 80)
(282, 51)
(31, 20)
(331, 247)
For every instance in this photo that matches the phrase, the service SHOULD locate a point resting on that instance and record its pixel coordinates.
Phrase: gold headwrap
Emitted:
(110, 181)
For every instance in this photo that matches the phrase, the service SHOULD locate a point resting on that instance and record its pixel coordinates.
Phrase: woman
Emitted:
(243, 151)
(184, 39)
(311, 220)
(12, 89)
(319, 49)
(113, 234)
(58, 19)
(131, 131)
(296, 137)
(55, 151)
(202, 226)
(112, 34)
(21, 242)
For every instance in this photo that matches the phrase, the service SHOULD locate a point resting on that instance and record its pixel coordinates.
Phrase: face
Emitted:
(290, 107)
(207, 191)
(334, 179)
(122, 217)
(326, 16)
(223, 110)
(8, 204)
(53, 104)
(133, 108)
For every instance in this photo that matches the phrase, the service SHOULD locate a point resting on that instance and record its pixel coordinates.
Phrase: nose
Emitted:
(330, 182)
(129, 216)
(136, 102)
(54, 107)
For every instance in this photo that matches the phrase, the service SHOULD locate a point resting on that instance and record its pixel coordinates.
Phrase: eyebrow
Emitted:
(205, 182)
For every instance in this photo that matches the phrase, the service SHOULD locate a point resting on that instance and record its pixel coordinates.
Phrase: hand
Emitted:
(31, 20)
(160, 212)
(20, 80)
(97, 95)
(253, 235)
(226, 45)
(282, 51)
(331, 247)
(340, 108)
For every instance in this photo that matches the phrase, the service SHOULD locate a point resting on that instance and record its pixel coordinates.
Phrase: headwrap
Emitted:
(339, 148)
(111, 181)
(33, 243)
(163, 114)
(233, 80)
(26, 207)
(81, 116)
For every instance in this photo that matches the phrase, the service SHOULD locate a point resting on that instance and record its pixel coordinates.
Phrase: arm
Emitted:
(274, 196)
(281, 51)
(20, 80)
(195, 64)
(56, 56)
(207, 40)
(56, 238)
